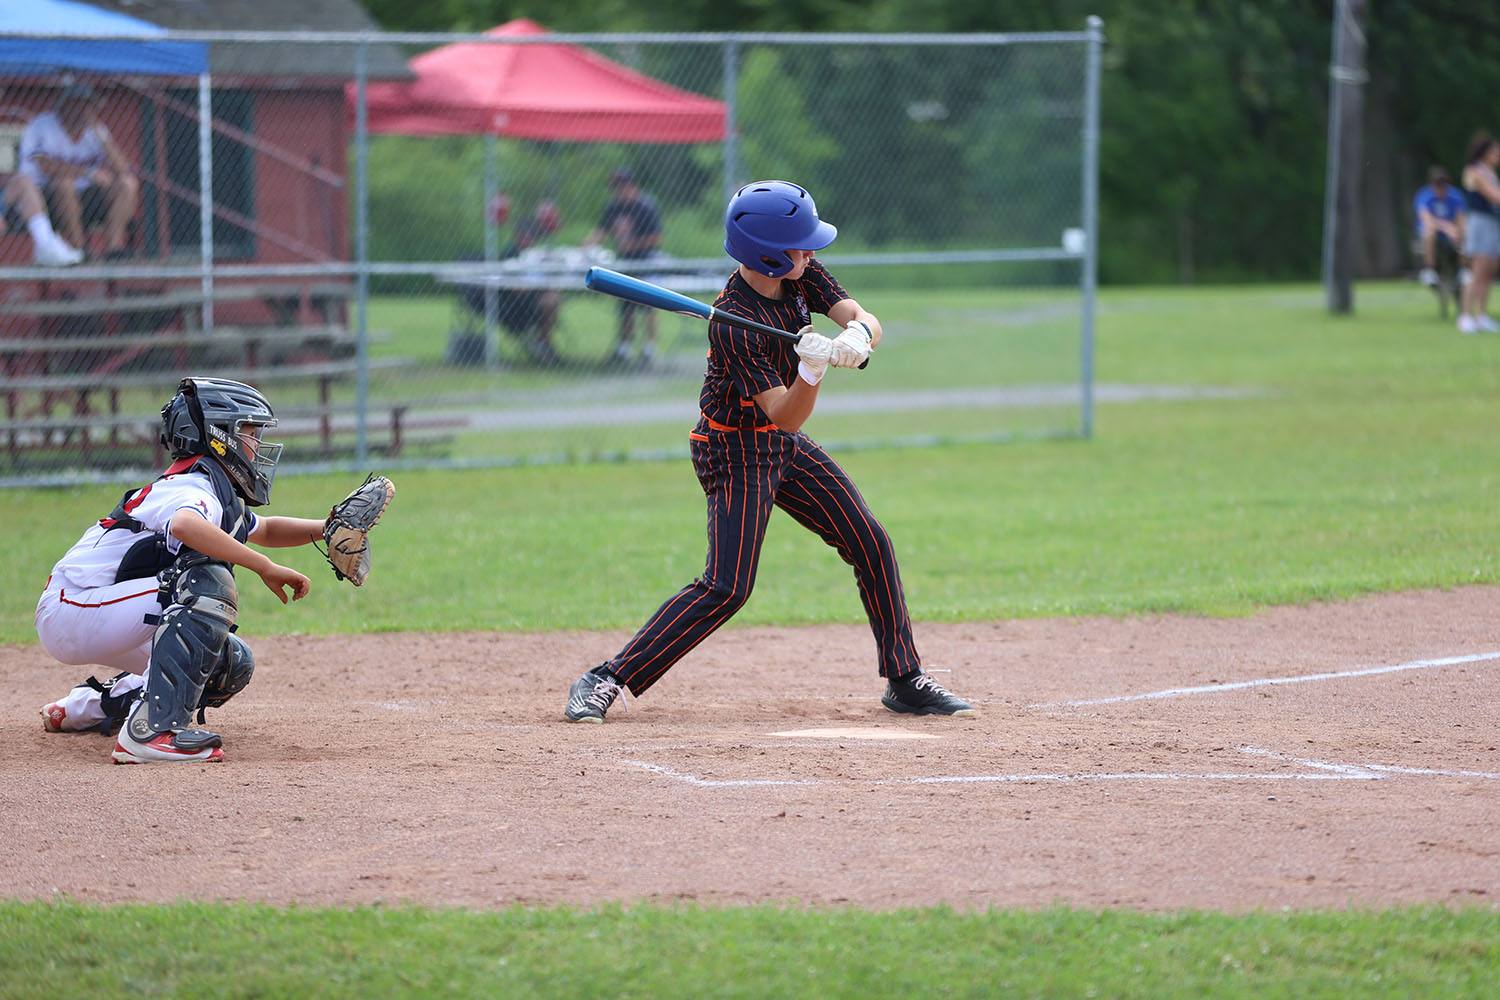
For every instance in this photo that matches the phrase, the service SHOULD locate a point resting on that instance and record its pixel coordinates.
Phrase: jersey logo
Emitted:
(801, 305)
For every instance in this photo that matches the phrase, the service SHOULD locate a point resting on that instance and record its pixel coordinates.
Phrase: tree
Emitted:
(1214, 114)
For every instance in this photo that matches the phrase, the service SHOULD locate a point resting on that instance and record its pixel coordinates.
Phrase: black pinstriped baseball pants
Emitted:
(744, 473)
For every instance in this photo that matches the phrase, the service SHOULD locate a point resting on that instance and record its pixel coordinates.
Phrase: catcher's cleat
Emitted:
(53, 716)
(591, 695)
(919, 694)
(168, 747)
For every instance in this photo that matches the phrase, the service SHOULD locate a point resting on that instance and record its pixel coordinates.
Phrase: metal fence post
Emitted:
(1090, 276)
(361, 254)
(491, 253)
(206, 196)
(731, 71)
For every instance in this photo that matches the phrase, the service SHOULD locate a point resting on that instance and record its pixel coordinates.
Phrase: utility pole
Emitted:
(1346, 106)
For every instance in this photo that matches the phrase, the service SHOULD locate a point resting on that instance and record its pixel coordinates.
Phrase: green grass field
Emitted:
(1361, 462)
(1360, 457)
(194, 950)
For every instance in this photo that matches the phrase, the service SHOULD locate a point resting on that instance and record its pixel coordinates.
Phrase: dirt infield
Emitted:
(1152, 763)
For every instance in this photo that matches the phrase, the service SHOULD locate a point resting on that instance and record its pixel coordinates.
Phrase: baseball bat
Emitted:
(623, 286)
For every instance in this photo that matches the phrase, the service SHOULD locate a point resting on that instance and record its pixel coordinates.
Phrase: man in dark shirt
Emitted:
(633, 222)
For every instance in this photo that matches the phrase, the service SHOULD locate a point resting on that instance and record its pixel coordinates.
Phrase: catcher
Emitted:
(149, 590)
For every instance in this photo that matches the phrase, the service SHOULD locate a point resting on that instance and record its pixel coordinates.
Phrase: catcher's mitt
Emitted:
(348, 527)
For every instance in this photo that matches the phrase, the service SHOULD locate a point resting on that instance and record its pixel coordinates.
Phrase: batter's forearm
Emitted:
(788, 407)
(846, 311)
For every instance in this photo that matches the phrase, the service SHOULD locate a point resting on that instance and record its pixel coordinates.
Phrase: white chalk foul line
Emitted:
(1320, 771)
(1446, 661)
(1379, 769)
(1427, 770)
(691, 779)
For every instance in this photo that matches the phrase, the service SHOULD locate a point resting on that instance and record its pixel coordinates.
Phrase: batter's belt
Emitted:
(714, 425)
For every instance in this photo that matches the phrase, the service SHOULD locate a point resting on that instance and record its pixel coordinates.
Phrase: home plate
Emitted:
(855, 733)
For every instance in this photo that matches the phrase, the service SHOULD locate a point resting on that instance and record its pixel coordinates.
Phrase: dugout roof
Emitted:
(36, 56)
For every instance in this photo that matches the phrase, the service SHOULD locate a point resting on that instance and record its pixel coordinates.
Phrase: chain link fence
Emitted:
(388, 234)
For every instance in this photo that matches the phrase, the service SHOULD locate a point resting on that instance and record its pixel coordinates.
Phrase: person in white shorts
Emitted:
(22, 203)
(149, 590)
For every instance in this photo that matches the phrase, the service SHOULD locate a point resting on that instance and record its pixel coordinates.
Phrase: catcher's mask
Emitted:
(224, 420)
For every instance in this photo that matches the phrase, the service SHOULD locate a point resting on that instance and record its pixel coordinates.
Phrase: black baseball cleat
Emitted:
(591, 695)
(919, 694)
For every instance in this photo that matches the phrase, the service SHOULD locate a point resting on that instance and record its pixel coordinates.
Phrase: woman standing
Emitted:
(1482, 235)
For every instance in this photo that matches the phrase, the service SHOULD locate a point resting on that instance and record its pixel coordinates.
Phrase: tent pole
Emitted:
(491, 253)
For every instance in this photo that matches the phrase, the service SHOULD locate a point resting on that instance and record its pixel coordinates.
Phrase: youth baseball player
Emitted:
(149, 590)
(749, 455)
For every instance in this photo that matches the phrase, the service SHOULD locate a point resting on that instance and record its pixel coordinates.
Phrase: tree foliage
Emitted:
(1214, 111)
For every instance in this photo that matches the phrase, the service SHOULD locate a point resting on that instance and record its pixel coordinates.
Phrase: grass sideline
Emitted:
(192, 949)
(1362, 461)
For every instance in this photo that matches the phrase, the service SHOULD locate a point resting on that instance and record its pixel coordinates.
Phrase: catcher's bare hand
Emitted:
(347, 529)
(277, 577)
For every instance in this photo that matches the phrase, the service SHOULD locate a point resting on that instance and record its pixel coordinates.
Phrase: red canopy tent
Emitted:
(543, 91)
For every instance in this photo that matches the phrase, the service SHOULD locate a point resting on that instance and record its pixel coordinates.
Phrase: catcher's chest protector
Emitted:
(149, 556)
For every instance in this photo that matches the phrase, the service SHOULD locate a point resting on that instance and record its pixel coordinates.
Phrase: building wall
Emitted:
(313, 125)
(302, 218)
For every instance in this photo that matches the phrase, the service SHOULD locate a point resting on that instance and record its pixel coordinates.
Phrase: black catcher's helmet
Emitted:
(212, 416)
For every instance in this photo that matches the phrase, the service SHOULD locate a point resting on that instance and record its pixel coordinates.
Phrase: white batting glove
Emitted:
(814, 350)
(852, 347)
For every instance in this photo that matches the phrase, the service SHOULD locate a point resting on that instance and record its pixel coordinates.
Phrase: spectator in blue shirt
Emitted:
(1440, 221)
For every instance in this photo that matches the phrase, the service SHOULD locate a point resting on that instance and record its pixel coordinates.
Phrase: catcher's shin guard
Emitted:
(230, 676)
(188, 646)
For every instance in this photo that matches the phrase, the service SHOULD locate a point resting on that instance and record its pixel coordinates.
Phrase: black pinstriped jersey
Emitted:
(742, 363)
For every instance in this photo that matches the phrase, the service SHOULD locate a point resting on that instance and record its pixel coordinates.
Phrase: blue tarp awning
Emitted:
(138, 54)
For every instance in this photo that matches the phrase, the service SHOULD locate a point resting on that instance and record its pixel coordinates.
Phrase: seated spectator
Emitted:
(1440, 222)
(84, 177)
(529, 314)
(22, 203)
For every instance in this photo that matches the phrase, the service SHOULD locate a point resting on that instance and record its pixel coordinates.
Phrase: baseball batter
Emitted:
(149, 589)
(750, 455)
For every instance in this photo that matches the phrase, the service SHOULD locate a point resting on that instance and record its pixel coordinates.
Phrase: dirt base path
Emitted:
(1335, 755)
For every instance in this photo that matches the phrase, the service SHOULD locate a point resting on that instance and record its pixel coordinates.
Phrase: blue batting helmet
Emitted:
(766, 219)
